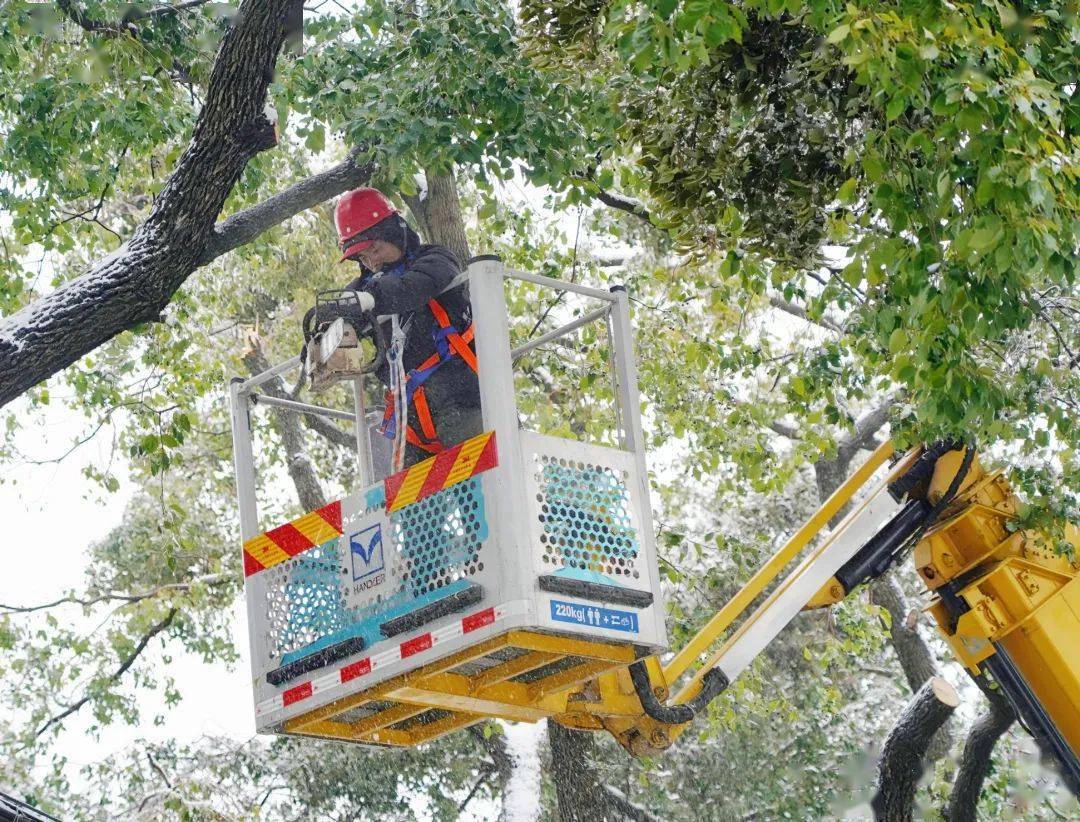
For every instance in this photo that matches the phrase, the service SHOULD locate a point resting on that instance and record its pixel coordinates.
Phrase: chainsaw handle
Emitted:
(378, 336)
(308, 323)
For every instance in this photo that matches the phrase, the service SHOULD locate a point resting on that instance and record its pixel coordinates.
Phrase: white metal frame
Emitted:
(510, 586)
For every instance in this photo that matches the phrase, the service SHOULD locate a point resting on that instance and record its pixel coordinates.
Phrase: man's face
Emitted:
(378, 254)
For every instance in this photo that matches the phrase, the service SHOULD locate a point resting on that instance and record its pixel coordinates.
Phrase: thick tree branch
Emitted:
(244, 226)
(126, 25)
(627, 204)
(785, 430)
(77, 16)
(135, 284)
(162, 11)
(125, 663)
(794, 310)
(912, 652)
(866, 426)
(829, 474)
(320, 425)
(976, 759)
(915, 658)
(902, 758)
(330, 432)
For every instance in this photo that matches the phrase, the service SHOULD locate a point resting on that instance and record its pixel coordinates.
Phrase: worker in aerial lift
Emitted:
(430, 368)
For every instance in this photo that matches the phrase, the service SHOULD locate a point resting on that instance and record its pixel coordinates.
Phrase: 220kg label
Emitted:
(593, 616)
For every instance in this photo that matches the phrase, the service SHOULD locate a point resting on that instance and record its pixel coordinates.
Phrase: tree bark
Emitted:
(244, 226)
(580, 795)
(438, 214)
(915, 658)
(902, 758)
(135, 284)
(976, 759)
(442, 211)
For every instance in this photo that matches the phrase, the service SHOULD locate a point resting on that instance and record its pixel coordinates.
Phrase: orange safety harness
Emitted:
(448, 344)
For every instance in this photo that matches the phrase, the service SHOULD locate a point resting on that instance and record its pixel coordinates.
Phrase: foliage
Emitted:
(935, 145)
(435, 84)
(899, 176)
(219, 778)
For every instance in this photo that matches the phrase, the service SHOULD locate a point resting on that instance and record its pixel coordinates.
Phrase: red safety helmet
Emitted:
(356, 212)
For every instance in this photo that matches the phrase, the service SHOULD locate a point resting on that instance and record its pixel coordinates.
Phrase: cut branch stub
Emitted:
(901, 763)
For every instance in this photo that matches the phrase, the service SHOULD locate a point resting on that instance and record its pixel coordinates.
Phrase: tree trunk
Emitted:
(438, 214)
(580, 795)
(976, 758)
(443, 214)
(902, 758)
(135, 284)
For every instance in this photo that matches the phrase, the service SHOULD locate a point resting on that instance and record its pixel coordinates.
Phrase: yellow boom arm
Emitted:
(1004, 601)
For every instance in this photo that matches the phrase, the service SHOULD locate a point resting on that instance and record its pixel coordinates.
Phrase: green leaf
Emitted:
(898, 341)
(846, 194)
(316, 139)
(873, 167)
(896, 107)
(839, 33)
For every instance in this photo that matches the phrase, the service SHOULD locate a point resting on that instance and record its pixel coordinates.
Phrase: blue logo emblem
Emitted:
(366, 551)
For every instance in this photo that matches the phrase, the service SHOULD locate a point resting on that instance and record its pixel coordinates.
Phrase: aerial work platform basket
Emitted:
(490, 580)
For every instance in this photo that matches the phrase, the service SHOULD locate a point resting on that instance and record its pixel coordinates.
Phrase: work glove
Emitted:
(365, 300)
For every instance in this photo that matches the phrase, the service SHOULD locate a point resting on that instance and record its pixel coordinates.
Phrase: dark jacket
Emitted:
(404, 289)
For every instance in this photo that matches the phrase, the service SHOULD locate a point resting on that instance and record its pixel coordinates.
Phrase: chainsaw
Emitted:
(333, 331)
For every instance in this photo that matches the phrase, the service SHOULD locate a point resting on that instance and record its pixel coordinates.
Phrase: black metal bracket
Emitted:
(596, 591)
(432, 611)
(319, 659)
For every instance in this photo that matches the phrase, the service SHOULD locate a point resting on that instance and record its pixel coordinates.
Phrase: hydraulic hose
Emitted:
(713, 684)
(949, 495)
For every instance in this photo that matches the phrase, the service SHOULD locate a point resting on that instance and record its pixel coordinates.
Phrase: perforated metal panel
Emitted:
(441, 537)
(376, 570)
(585, 514)
(305, 599)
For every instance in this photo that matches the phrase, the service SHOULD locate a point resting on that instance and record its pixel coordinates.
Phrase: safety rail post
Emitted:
(243, 459)
(622, 337)
(244, 471)
(628, 415)
(363, 438)
(487, 293)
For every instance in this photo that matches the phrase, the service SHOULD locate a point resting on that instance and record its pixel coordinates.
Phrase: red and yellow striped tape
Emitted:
(276, 546)
(446, 468)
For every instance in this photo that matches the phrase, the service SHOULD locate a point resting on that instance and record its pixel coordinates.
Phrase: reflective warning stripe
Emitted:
(286, 541)
(409, 648)
(441, 471)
